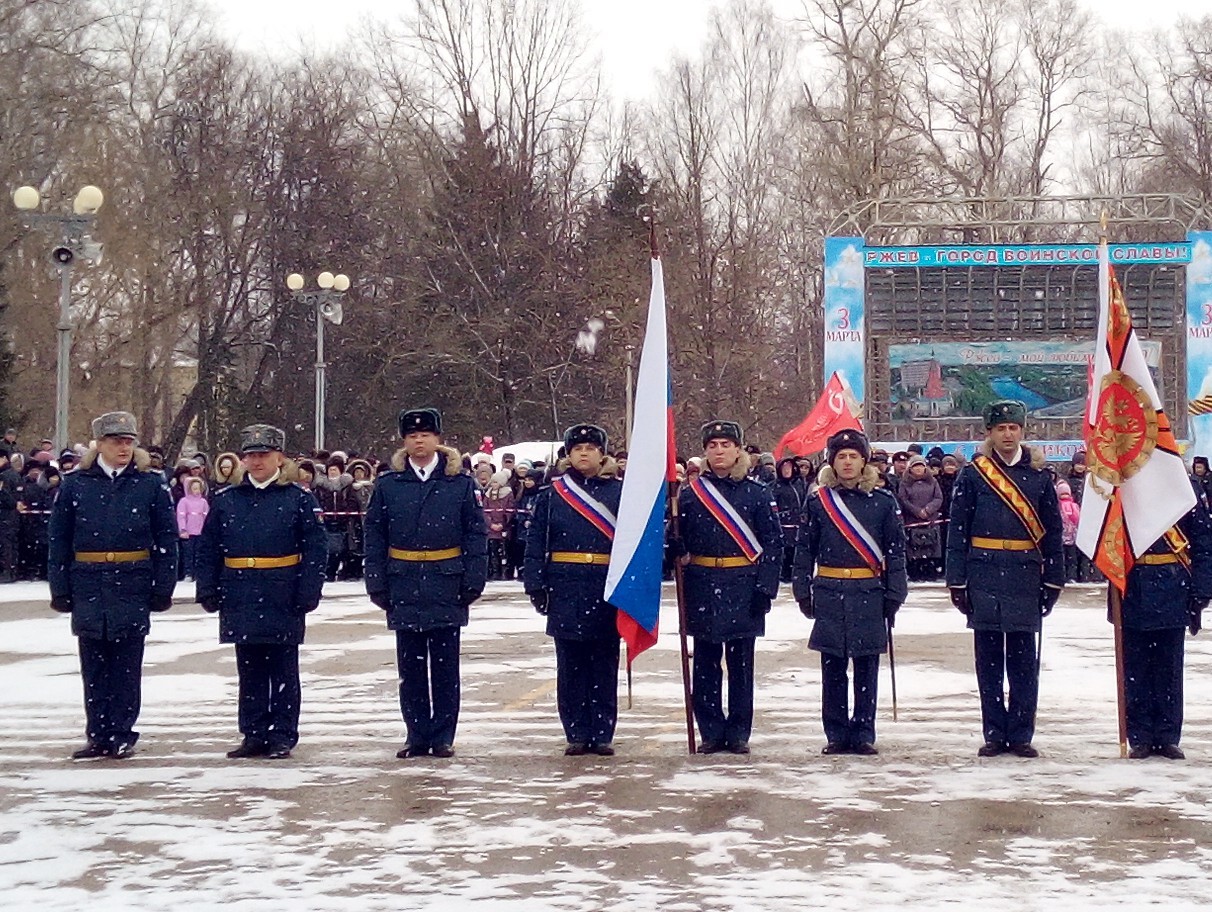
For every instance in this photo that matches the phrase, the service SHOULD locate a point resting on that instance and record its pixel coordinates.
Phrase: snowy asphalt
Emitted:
(510, 823)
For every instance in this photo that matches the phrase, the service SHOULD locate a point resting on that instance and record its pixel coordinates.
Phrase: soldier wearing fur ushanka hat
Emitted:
(1005, 568)
(426, 559)
(849, 577)
(731, 543)
(564, 571)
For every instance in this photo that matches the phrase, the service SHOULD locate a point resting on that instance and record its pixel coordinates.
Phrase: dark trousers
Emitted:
(189, 551)
(788, 560)
(1001, 657)
(1153, 686)
(840, 726)
(270, 694)
(587, 688)
(9, 530)
(428, 662)
(113, 676)
(496, 558)
(708, 682)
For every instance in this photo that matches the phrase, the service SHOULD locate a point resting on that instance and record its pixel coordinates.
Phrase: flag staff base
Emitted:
(1115, 602)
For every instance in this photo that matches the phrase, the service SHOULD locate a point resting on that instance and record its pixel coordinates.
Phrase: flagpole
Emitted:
(675, 528)
(892, 667)
(1117, 622)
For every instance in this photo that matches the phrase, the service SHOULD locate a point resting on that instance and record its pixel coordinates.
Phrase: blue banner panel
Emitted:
(1020, 255)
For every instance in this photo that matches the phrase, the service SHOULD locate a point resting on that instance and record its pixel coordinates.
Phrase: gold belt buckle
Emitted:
(587, 557)
(109, 557)
(847, 573)
(251, 562)
(1007, 544)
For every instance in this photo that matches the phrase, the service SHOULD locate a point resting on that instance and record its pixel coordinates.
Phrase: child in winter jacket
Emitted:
(1070, 513)
(191, 514)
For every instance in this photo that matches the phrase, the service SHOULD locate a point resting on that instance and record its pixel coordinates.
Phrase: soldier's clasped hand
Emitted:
(539, 600)
(959, 598)
(1047, 599)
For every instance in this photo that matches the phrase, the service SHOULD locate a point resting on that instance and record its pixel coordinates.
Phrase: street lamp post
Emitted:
(74, 241)
(327, 304)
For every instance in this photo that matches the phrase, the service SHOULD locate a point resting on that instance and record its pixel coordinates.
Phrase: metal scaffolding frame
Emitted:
(1021, 220)
(1044, 301)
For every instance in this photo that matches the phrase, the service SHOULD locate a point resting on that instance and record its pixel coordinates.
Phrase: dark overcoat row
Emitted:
(262, 605)
(719, 601)
(850, 612)
(576, 609)
(1158, 594)
(95, 513)
(437, 515)
(1004, 585)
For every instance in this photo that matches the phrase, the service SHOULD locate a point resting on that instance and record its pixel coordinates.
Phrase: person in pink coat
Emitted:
(191, 514)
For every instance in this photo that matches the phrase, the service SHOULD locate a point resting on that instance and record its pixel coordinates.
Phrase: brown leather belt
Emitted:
(720, 563)
(846, 572)
(112, 557)
(1157, 559)
(444, 554)
(579, 557)
(1003, 544)
(262, 563)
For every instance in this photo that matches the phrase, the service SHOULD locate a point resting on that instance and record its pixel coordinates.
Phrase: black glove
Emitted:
(890, 609)
(807, 608)
(380, 600)
(467, 596)
(1047, 599)
(676, 546)
(759, 604)
(959, 598)
(539, 600)
(1195, 610)
(209, 603)
(309, 607)
(62, 604)
(161, 602)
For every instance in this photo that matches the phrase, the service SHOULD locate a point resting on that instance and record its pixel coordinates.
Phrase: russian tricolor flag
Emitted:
(633, 580)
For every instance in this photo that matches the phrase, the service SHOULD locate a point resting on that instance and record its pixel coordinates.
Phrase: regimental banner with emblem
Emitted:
(1136, 483)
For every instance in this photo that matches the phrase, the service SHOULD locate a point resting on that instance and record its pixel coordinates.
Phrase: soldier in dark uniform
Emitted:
(731, 544)
(853, 537)
(1005, 569)
(112, 559)
(426, 562)
(260, 564)
(567, 555)
(1168, 588)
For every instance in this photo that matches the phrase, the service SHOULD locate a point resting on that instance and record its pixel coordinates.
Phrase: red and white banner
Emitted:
(1136, 483)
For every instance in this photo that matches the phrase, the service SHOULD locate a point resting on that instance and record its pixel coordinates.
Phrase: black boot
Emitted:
(249, 747)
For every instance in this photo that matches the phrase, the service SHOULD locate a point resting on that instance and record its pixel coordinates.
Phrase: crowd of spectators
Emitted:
(921, 479)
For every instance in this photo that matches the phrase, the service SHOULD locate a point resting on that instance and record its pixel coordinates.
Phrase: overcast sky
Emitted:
(634, 37)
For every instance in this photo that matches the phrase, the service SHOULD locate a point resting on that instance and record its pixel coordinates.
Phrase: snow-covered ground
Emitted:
(510, 823)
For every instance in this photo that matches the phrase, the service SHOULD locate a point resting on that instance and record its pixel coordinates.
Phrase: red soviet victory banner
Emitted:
(830, 414)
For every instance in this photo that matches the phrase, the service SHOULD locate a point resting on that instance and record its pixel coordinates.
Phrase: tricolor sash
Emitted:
(727, 516)
(855, 533)
(1005, 488)
(1179, 545)
(596, 513)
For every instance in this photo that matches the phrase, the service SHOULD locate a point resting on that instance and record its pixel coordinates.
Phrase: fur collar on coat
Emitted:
(454, 462)
(142, 459)
(1035, 454)
(289, 475)
(609, 469)
(868, 481)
